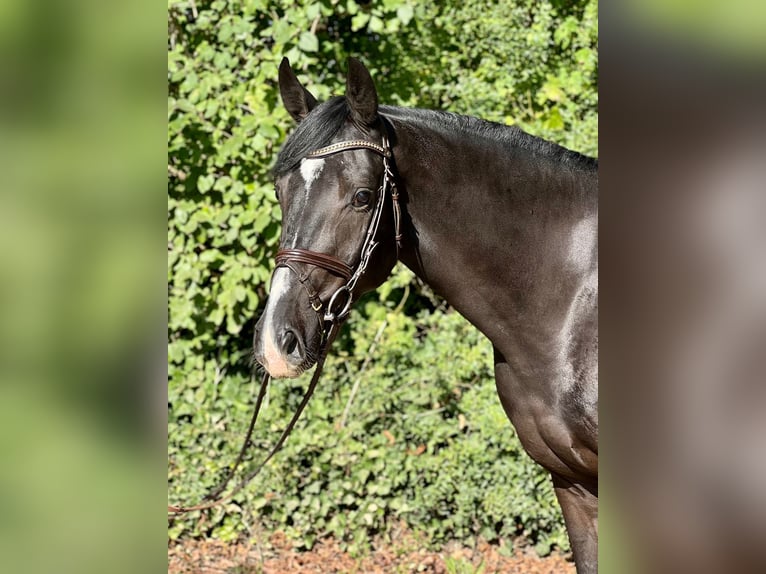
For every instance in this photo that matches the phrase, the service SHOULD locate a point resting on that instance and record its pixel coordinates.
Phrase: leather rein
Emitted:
(331, 315)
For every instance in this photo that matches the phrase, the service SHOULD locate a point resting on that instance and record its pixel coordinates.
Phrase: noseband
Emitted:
(339, 305)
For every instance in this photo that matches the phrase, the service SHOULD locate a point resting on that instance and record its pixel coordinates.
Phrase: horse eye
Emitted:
(362, 197)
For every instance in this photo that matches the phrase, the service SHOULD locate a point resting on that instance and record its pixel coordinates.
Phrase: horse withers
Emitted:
(501, 224)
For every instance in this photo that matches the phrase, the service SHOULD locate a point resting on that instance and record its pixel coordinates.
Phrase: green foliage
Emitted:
(425, 440)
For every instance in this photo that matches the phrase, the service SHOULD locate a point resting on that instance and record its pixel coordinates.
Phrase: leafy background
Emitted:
(405, 428)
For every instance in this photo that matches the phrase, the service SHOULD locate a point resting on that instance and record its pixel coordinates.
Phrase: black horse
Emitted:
(502, 224)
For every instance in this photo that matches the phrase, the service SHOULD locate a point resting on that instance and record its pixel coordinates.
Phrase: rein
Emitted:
(287, 258)
(215, 494)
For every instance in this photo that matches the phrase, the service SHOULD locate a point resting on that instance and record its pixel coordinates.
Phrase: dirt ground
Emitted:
(402, 557)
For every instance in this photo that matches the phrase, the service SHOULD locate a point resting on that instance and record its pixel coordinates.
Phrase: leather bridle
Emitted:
(330, 318)
(339, 304)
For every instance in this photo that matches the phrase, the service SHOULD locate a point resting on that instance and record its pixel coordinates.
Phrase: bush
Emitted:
(425, 440)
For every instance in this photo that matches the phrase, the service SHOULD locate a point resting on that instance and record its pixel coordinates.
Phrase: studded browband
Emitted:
(347, 145)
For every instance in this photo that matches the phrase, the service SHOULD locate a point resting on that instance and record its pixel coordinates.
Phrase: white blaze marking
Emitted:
(275, 361)
(310, 170)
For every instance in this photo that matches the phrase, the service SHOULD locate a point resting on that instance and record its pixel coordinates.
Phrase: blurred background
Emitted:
(683, 286)
(405, 431)
(82, 296)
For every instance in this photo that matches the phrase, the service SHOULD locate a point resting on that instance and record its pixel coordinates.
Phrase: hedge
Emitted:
(424, 441)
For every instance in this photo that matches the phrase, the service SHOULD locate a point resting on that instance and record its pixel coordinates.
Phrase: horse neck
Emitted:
(505, 236)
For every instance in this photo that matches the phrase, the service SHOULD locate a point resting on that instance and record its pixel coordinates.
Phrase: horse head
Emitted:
(337, 239)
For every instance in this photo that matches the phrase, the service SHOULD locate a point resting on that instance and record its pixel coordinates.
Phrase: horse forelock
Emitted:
(314, 132)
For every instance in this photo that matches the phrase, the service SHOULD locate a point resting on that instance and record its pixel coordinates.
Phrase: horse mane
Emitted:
(471, 128)
(321, 125)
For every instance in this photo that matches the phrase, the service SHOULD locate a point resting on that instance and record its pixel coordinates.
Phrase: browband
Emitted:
(347, 145)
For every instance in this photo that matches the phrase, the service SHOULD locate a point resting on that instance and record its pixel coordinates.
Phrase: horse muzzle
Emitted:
(281, 353)
(287, 334)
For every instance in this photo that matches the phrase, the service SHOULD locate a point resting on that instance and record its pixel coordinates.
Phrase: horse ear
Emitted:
(361, 94)
(297, 99)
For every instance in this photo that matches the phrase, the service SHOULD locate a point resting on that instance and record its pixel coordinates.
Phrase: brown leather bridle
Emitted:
(337, 308)
(330, 320)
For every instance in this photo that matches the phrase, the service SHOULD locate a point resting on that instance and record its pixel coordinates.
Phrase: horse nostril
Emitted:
(289, 342)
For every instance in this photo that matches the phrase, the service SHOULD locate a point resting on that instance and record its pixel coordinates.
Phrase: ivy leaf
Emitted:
(359, 21)
(405, 13)
(308, 42)
(281, 32)
(376, 24)
(313, 11)
(262, 221)
(204, 183)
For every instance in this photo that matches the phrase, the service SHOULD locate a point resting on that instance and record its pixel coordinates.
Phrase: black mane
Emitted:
(321, 125)
(472, 128)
